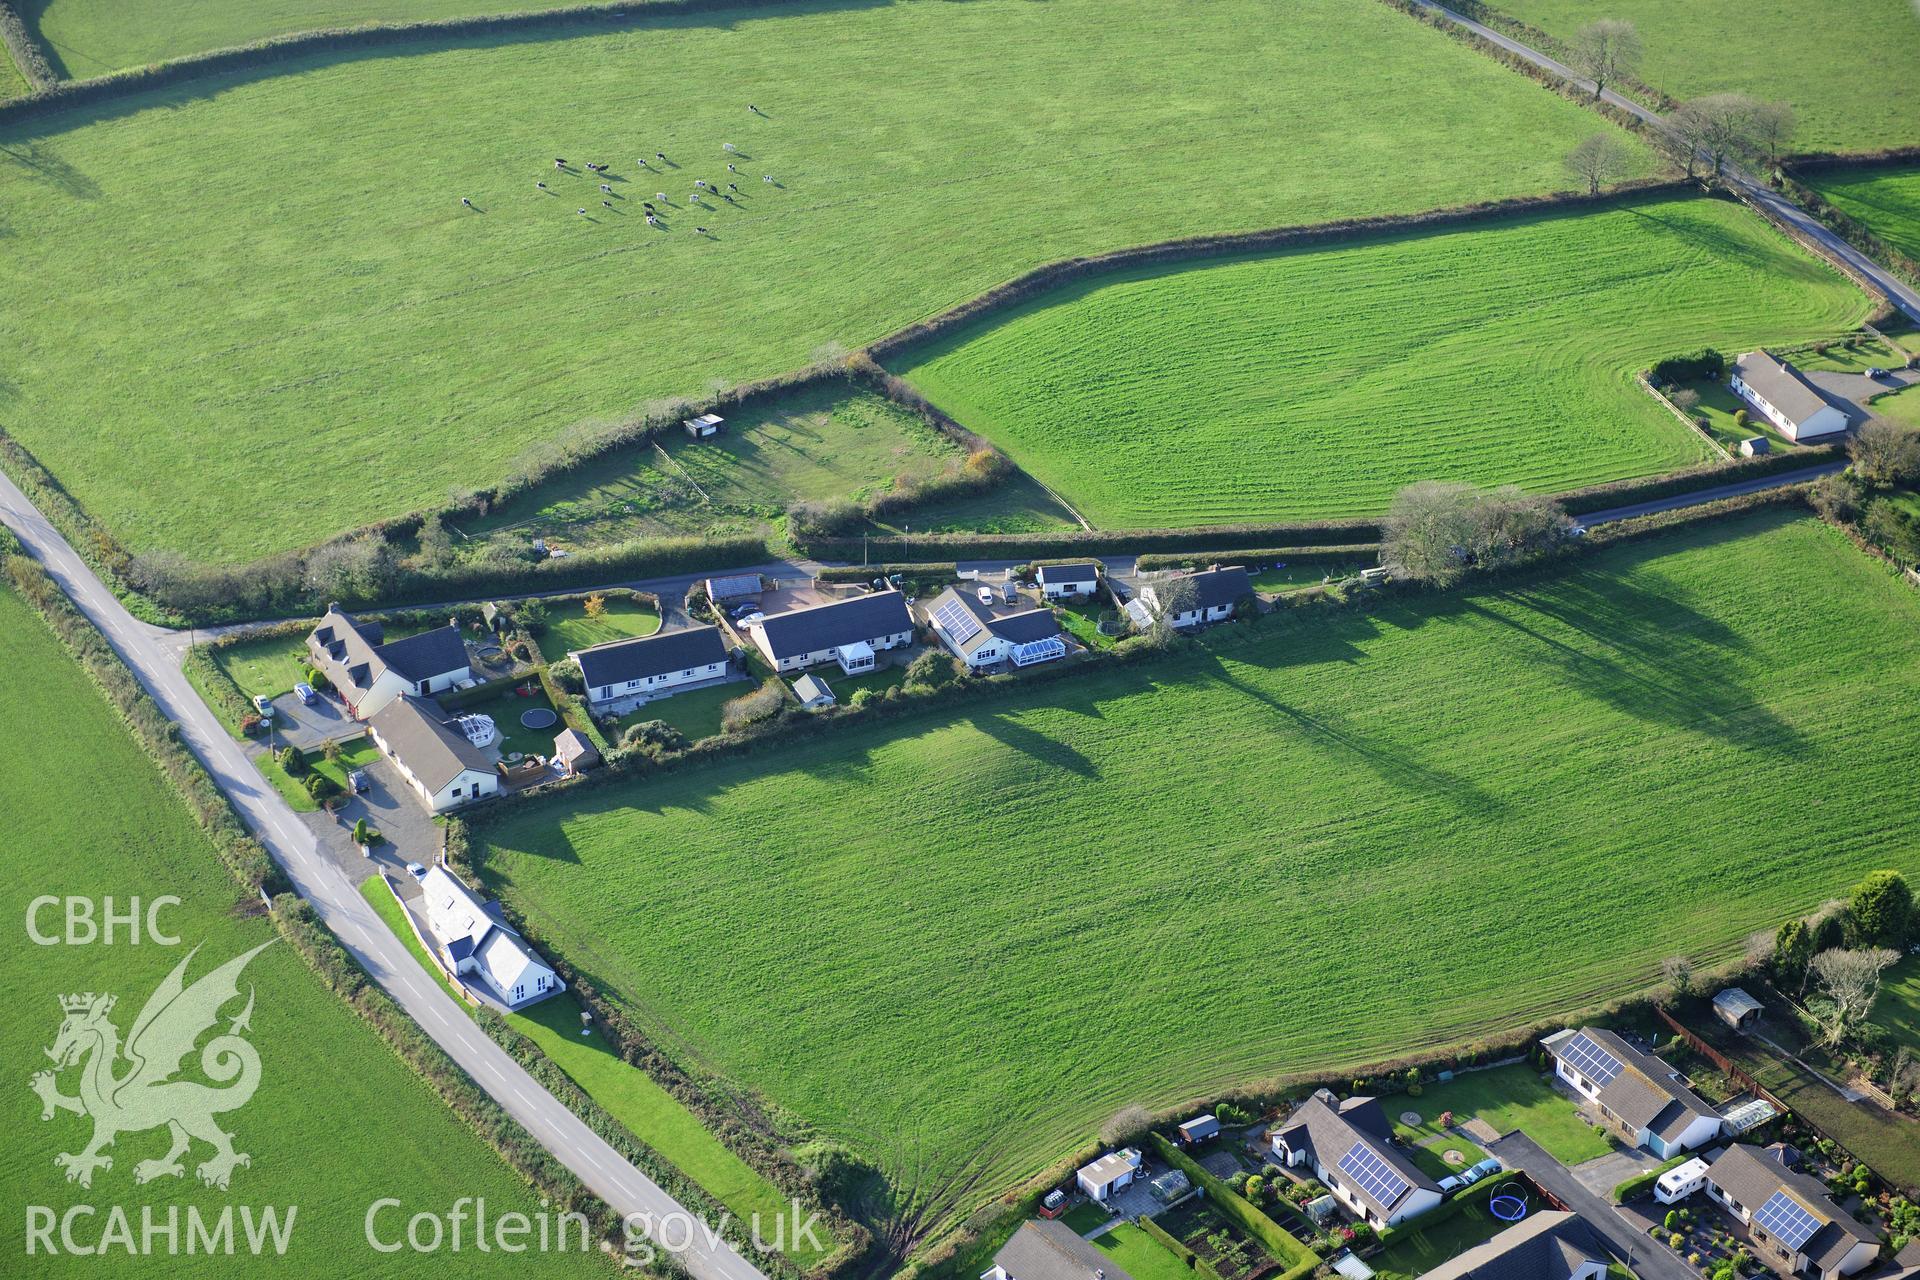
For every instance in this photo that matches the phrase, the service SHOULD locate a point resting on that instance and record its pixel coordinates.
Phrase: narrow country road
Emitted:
(340, 906)
(1768, 201)
(1701, 496)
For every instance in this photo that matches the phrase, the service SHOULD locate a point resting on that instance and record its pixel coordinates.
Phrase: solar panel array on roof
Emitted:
(1373, 1174)
(1787, 1220)
(957, 621)
(1591, 1061)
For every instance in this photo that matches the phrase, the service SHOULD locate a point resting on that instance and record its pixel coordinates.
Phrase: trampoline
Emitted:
(539, 718)
(1508, 1208)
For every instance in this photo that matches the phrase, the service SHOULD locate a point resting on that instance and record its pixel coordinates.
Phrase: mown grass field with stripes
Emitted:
(960, 942)
(1848, 72)
(1318, 381)
(1887, 200)
(338, 1120)
(287, 310)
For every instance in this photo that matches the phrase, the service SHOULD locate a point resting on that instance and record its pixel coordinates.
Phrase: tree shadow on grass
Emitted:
(37, 161)
(1644, 652)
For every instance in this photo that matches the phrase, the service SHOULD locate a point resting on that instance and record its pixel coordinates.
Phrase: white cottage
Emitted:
(434, 756)
(478, 942)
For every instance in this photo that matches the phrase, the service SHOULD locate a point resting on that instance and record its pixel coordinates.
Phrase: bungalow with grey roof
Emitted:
(432, 754)
(981, 637)
(650, 666)
(848, 632)
(1057, 580)
(1349, 1146)
(1639, 1095)
(1199, 599)
(1784, 397)
(1792, 1221)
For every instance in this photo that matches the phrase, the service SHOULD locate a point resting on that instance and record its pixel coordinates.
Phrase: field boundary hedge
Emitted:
(26, 51)
(58, 94)
(1250, 243)
(1845, 225)
(1245, 1214)
(1340, 554)
(246, 859)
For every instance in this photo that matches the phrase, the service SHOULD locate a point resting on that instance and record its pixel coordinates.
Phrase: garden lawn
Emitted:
(1848, 74)
(338, 1121)
(271, 665)
(1141, 1256)
(569, 627)
(1084, 1217)
(1417, 778)
(85, 38)
(1718, 404)
(820, 443)
(1901, 406)
(695, 713)
(506, 708)
(1508, 1098)
(627, 1093)
(1432, 1158)
(280, 281)
(355, 753)
(1316, 382)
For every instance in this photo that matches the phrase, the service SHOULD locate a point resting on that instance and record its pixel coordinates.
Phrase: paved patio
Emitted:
(295, 724)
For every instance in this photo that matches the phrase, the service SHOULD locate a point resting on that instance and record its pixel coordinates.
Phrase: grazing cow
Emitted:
(728, 146)
(582, 212)
(466, 202)
(755, 110)
(659, 155)
(733, 186)
(541, 185)
(604, 187)
(661, 196)
(559, 164)
(732, 169)
(701, 230)
(650, 220)
(766, 177)
(606, 204)
(559, 159)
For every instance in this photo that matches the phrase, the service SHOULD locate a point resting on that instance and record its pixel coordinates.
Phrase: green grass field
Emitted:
(337, 1123)
(1508, 1098)
(1901, 406)
(627, 1093)
(821, 442)
(1847, 75)
(1350, 799)
(1140, 1255)
(569, 627)
(85, 38)
(1315, 383)
(369, 316)
(1887, 200)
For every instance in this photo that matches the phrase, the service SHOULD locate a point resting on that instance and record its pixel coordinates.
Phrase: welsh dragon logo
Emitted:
(145, 1095)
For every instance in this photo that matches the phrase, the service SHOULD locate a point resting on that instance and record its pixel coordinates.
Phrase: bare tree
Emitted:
(1773, 125)
(1760, 948)
(1850, 981)
(1721, 126)
(1685, 399)
(1172, 596)
(1599, 160)
(1885, 453)
(1678, 972)
(1429, 532)
(1127, 1124)
(1606, 50)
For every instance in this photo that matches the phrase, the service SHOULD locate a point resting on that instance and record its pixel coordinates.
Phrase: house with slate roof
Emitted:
(981, 637)
(1643, 1098)
(1547, 1245)
(476, 940)
(369, 672)
(1791, 1220)
(432, 753)
(1349, 1146)
(623, 672)
(848, 632)
(1784, 397)
(1209, 596)
(1050, 1250)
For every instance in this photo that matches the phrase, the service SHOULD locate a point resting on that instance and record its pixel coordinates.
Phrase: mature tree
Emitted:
(1880, 913)
(436, 543)
(1678, 972)
(1435, 532)
(1773, 125)
(1606, 50)
(654, 737)
(766, 701)
(1127, 1124)
(1429, 532)
(1598, 160)
(1885, 453)
(1850, 981)
(1721, 126)
(931, 668)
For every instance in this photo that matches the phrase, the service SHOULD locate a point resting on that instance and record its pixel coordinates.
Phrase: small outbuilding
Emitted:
(704, 427)
(734, 589)
(573, 754)
(1736, 1008)
(1755, 446)
(1111, 1172)
(813, 693)
(1199, 1129)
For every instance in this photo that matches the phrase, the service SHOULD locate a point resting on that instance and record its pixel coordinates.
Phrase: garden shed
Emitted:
(1736, 1008)
(705, 426)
